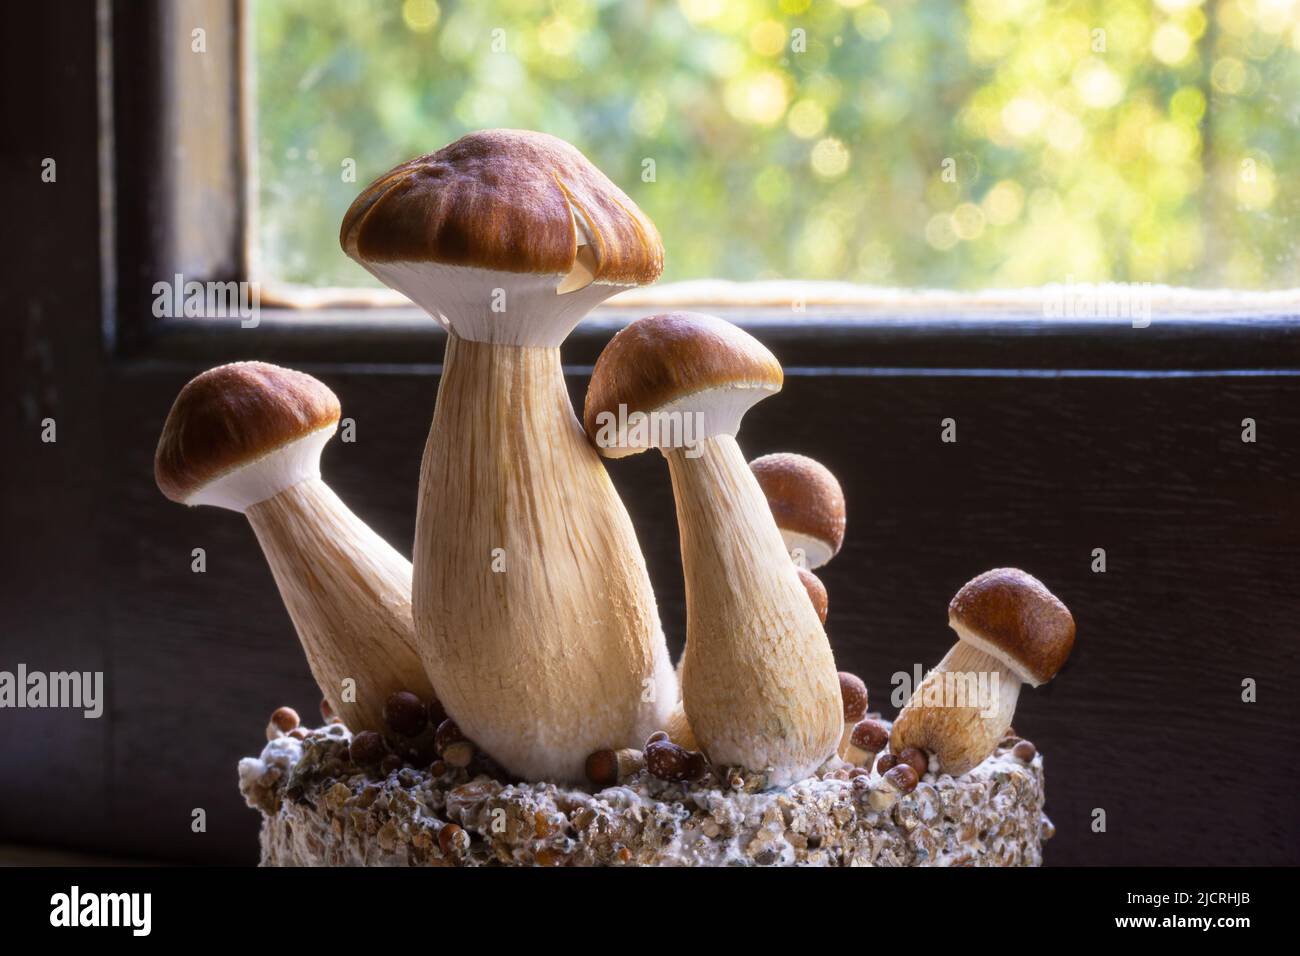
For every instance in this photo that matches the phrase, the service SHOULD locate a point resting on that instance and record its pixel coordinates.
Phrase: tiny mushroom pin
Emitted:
(866, 739)
(533, 605)
(283, 721)
(759, 683)
(1011, 630)
(248, 437)
(807, 503)
(606, 767)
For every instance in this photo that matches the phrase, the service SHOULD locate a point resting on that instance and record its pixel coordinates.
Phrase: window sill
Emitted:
(788, 295)
(879, 332)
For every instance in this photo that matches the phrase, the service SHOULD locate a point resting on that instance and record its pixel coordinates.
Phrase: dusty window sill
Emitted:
(834, 330)
(830, 298)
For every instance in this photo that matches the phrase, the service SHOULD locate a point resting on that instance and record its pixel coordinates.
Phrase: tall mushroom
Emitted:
(759, 683)
(533, 606)
(806, 501)
(1010, 630)
(248, 437)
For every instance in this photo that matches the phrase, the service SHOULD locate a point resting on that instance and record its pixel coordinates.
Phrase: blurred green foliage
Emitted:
(976, 144)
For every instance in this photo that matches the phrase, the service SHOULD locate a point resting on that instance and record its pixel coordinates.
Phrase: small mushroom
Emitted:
(867, 739)
(816, 592)
(248, 437)
(886, 762)
(283, 721)
(853, 691)
(1011, 630)
(807, 503)
(605, 768)
(668, 761)
(452, 745)
(916, 758)
(896, 782)
(405, 713)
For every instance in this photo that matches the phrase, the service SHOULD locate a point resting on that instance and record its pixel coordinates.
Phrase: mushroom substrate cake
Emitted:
(321, 809)
(534, 611)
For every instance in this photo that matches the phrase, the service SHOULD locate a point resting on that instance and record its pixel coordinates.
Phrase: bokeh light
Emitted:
(830, 158)
(982, 143)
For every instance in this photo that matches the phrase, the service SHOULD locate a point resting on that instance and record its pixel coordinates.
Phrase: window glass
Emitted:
(984, 144)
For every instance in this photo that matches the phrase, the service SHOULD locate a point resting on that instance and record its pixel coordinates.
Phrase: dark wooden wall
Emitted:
(1071, 437)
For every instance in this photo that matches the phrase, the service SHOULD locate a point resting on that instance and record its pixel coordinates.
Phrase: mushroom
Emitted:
(533, 606)
(808, 505)
(866, 738)
(248, 437)
(816, 592)
(608, 768)
(679, 727)
(1010, 630)
(760, 688)
(853, 691)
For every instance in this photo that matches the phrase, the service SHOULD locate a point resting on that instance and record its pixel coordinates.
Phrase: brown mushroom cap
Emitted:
(816, 592)
(506, 200)
(853, 691)
(235, 414)
(870, 735)
(692, 362)
(1012, 616)
(806, 501)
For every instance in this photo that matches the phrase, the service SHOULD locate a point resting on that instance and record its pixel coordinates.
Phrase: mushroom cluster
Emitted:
(523, 637)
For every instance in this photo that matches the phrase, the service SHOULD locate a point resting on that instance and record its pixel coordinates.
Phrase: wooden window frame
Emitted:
(163, 96)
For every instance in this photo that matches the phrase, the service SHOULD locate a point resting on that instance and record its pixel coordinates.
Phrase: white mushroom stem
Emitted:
(533, 604)
(758, 678)
(349, 595)
(961, 709)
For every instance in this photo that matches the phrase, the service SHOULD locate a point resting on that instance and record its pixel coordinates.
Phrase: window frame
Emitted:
(161, 95)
